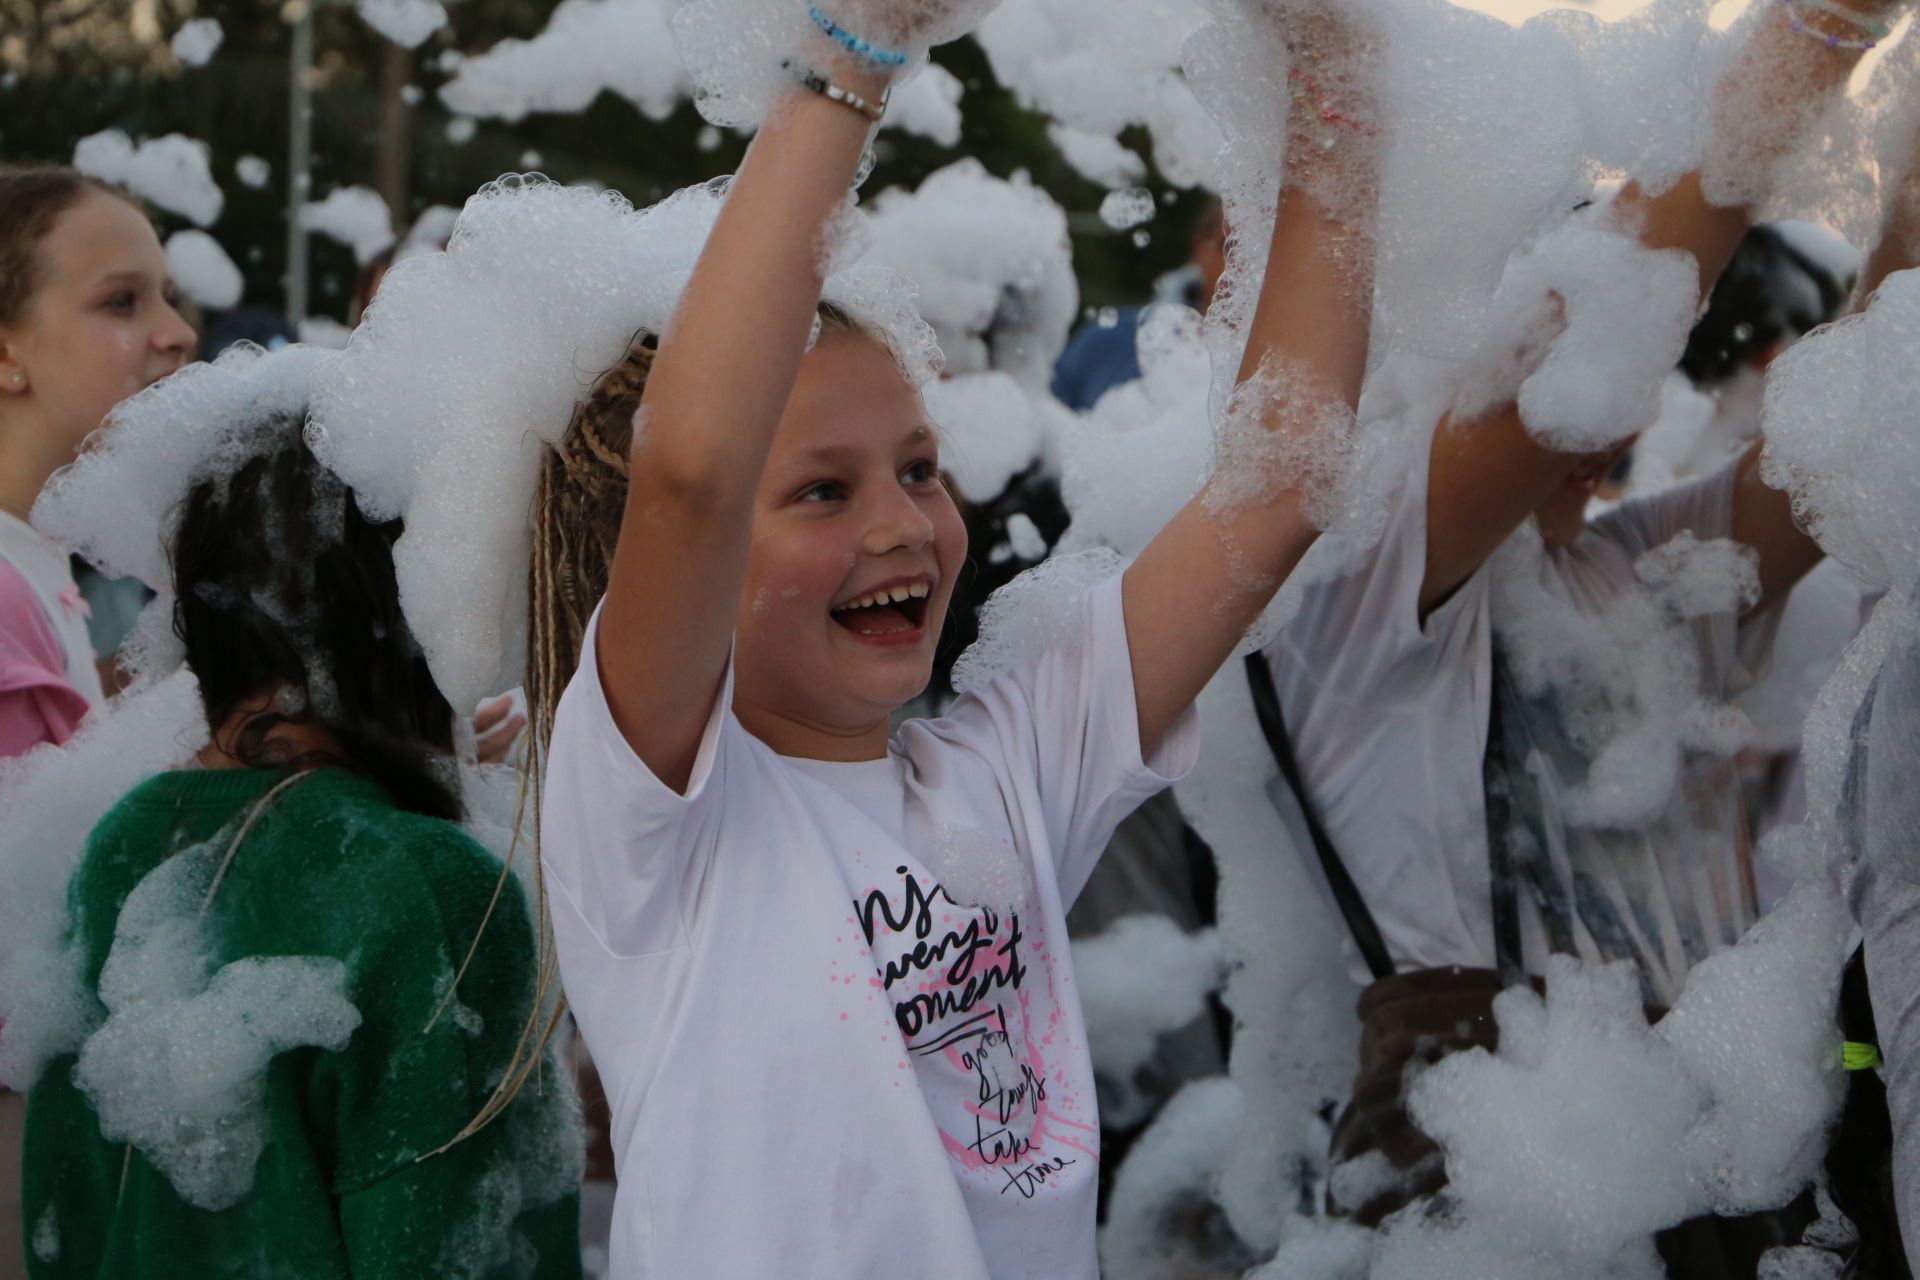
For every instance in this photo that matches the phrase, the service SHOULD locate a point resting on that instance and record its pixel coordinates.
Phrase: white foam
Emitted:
(993, 265)
(171, 171)
(1831, 419)
(1124, 210)
(978, 870)
(178, 1067)
(118, 504)
(1587, 323)
(1030, 615)
(355, 216)
(1627, 677)
(203, 270)
(1097, 67)
(53, 798)
(195, 43)
(1096, 156)
(928, 106)
(1158, 1220)
(587, 47)
(1139, 979)
(992, 429)
(408, 23)
(252, 171)
(471, 359)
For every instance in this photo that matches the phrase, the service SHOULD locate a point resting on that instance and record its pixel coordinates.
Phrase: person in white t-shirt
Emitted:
(1441, 782)
(821, 967)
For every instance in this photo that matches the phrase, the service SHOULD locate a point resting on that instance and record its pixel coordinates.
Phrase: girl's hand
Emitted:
(496, 727)
(907, 27)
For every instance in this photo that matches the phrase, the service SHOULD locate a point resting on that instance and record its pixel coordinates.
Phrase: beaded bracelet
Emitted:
(1876, 30)
(814, 82)
(852, 43)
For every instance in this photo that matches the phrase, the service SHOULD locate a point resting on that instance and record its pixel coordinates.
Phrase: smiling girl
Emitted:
(822, 966)
(86, 319)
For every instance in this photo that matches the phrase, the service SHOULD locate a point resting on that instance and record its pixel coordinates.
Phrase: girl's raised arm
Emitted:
(1488, 475)
(718, 386)
(1205, 579)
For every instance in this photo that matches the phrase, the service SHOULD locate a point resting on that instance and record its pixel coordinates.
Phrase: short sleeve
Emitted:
(1068, 724)
(1702, 507)
(1357, 629)
(617, 843)
(36, 703)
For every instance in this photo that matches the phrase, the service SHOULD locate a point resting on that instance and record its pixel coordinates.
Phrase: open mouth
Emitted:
(896, 611)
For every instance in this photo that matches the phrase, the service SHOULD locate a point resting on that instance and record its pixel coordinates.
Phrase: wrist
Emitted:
(832, 62)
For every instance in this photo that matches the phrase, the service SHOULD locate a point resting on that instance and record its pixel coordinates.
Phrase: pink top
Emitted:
(36, 703)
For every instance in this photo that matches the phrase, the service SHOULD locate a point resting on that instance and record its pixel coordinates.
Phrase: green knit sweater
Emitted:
(318, 1151)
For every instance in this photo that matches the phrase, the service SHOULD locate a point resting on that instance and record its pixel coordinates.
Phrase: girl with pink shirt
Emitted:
(86, 319)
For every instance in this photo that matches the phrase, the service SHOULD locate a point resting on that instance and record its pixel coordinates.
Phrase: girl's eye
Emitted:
(825, 491)
(122, 301)
(922, 472)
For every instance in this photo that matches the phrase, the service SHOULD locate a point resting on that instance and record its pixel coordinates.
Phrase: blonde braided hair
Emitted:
(579, 502)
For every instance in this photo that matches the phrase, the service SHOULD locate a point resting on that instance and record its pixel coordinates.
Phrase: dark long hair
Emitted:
(281, 583)
(1770, 292)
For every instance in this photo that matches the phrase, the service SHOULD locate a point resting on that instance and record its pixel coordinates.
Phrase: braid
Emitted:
(579, 498)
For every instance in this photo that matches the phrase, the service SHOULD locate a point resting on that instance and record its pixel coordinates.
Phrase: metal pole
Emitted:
(299, 161)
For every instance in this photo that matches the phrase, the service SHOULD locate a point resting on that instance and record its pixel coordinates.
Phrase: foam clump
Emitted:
(1097, 157)
(1140, 978)
(355, 216)
(178, 1067)
(171, 171)
(203, 270)
(992, 263)
(1837, 419)
(118, 504)
(993, 427)
(472, 360)
(928, 105)
(1098, 67)
(734, 49)
(1627, 677)
(1588, 322)
(978, 870)
(1037, 611)
(53, 798)
(1142, 452)
(195, 43)
(1161, 1222)
(407, 23)
(1588, 1131)
(587, 46)
(1124, 210)
(252, 171)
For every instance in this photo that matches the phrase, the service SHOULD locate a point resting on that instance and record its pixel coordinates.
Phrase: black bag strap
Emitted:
(1346, 894)
(1503, 873)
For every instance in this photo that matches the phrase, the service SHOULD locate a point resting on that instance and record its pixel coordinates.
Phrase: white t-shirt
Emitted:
(1389, 719)
(818, 1063)
(50, 574)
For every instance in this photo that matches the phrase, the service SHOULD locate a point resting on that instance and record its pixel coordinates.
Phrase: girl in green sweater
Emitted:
(302, 1063)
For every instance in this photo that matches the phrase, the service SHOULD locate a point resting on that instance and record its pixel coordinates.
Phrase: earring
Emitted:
(17, 381)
